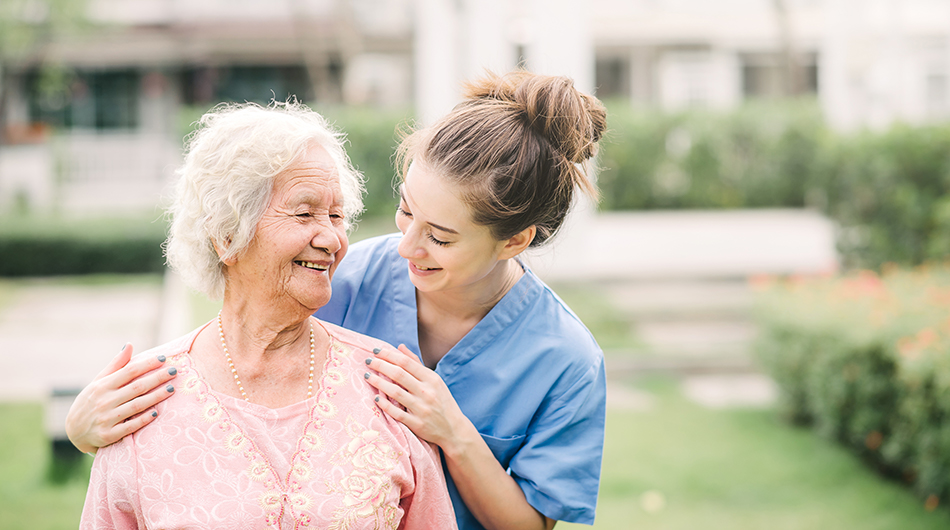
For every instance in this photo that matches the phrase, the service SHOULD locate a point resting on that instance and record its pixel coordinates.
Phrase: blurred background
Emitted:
(765, 270)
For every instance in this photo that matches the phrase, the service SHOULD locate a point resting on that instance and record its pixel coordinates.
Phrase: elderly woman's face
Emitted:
(300, 240)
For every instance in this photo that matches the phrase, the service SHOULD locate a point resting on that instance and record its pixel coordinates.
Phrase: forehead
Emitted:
(314, 168)
(434, 197)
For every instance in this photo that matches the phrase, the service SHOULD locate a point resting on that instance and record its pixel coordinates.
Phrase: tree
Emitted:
(27, 28)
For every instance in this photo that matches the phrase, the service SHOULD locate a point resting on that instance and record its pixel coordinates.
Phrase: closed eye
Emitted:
(403, 212)
(437, 241)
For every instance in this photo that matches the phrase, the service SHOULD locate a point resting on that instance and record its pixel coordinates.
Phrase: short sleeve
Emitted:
(428, 506)
(559, 465)
(112, 498)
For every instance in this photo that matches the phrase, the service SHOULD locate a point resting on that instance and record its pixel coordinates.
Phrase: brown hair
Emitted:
(518, 146)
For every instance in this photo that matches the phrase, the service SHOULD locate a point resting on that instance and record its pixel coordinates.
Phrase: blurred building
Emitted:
(113, 91)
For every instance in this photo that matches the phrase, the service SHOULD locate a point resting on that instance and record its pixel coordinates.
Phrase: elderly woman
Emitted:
(273, 424)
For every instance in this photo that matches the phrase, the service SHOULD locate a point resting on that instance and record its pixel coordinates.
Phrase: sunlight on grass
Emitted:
(679, 466)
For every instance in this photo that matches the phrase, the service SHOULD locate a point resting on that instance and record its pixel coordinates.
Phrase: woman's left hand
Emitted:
(428, 408)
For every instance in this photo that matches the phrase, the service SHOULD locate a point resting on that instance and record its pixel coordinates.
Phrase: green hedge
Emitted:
(889, 191)
(760, 155)
(52, 246)
(865, 360)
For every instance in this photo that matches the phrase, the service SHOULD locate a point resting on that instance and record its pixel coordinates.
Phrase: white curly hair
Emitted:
(226, 181)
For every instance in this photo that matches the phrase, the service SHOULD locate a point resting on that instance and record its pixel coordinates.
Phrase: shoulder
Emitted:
(558, 328)
(374, 247)
(354, 339)
(367, 259)
(174, 347)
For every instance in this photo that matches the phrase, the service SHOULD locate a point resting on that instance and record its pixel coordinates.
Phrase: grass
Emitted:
(28, 499)
(678, 466)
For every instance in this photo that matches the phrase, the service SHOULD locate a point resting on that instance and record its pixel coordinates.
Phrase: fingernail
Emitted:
(172, 371)
(368, 361)
(376, 351)
(161, 358)
(154, 414)
(366, 375)
(376, 399)
(170, 388)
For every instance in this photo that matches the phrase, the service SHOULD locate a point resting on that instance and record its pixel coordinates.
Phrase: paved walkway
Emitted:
(60, 336)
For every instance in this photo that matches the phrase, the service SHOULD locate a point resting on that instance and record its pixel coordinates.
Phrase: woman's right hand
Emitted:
(115, 403)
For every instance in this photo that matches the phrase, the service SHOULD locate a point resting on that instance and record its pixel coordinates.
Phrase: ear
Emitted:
(220, 249)
(517, 243)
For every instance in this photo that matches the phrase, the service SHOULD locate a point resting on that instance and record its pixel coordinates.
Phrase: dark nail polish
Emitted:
(161, 358)
(368, 361)
(376, 399)
(170, 388)
(376, 351)
(154, 414)
(366, 375)
(172, 371)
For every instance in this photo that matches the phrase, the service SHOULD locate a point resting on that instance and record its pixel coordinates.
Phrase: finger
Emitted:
(154, 380)
(117, 362)
(397, 374)
(404, 359)
(142, 403)
(406, 351)
(135, 369)
(397, 413)
(390, 389)
(126, 428)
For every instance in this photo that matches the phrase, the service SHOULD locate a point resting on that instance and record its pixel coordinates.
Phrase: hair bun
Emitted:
(572, 122)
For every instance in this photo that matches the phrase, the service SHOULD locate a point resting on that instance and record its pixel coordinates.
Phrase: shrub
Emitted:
(865, 360)
(52, 247)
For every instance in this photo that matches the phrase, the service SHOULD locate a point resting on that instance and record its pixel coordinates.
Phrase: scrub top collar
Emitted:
(506, 311)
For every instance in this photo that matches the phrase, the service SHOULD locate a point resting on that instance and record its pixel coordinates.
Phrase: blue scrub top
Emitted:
(529, 376)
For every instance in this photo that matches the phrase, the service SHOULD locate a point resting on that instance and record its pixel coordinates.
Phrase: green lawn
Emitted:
(679, 466)
(27, 498)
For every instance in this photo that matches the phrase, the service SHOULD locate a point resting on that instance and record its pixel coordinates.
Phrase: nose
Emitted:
(409, 246)
(328, 238)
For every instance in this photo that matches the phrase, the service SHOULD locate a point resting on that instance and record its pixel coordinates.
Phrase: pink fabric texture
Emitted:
(211, 461)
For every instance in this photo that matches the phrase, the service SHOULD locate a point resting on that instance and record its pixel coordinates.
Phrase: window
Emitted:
(257, 84)
(84, 100)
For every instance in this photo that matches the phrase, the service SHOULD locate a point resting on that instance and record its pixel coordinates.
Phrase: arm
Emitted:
(112, 501)
(431, 412)
(427, 505)
(115, 404)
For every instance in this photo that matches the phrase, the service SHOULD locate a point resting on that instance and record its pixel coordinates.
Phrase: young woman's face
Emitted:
(445, 248)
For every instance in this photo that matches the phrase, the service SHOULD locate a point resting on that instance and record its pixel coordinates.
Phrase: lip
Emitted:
(319, 266)
(422, 272)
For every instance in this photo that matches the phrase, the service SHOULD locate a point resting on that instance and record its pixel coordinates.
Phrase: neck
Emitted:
(474, 301)
(257, 335)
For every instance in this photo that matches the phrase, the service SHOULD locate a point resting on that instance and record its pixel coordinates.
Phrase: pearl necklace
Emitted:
(237, 379)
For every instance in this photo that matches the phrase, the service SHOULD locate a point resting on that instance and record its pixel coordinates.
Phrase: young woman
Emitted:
(493, 367)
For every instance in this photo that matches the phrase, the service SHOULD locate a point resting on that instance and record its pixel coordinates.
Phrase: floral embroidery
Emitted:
(367, 486)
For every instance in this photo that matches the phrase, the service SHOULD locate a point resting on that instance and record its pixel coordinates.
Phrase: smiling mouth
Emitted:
(426, 268)
(312, 265)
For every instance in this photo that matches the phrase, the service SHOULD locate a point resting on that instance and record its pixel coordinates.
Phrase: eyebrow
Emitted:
(402, 195)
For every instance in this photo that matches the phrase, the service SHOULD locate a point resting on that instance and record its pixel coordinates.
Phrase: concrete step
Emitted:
(682, 299)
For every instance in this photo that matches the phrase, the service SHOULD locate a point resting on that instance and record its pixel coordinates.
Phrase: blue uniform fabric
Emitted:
(529, 376)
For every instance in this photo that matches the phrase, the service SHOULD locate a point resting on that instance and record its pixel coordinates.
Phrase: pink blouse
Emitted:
(333, 461)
